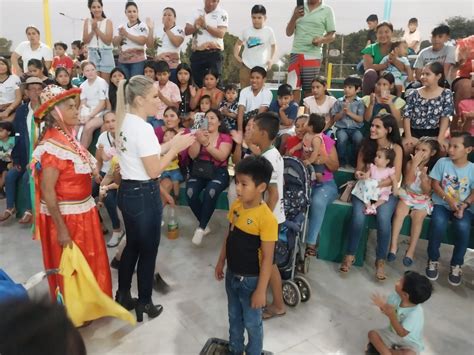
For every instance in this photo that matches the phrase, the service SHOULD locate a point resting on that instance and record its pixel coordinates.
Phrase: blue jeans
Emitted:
(132, 69)
(204, 209)
(321, 196)
(11, 180)
(241, 316)
(110, 202)
(142, 211)
(343, 136)
(384, 226)
(461, 228)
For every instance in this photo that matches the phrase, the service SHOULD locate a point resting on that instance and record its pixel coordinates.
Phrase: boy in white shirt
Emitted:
(255, 98)
(412, 36)
(259, 45)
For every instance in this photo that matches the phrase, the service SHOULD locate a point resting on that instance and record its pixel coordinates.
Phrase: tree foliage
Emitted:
(230, 67)
(461, 27)
(5, 46)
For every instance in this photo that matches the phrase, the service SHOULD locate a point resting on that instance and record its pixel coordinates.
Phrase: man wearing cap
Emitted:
(63, 170)
(208, 27)
(24, 128)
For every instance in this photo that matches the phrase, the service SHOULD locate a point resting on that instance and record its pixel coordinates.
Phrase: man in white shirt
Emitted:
(208, 27)
(255, 98)
(31, 49)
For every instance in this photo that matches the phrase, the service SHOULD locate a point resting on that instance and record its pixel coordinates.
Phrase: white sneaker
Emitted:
(207, 230)
(115, 240)
(198, 235)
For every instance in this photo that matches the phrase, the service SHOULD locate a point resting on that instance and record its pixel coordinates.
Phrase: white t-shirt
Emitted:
(274, 157)
(252, 102)
(139, 29)
(413, 37)
(8, 88)
(94, 92)
(107, 140)
(324, 109)
(203, 39)
(26, 53)
(138, 141)
(257, 46)
(166, 45)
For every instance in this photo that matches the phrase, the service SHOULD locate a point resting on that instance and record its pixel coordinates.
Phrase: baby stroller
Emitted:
(289, 254)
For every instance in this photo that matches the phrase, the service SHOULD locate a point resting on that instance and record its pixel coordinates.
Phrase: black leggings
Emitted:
(142, 211)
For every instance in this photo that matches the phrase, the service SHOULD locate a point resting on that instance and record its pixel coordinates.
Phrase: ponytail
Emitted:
(127, 91)
(120, 109)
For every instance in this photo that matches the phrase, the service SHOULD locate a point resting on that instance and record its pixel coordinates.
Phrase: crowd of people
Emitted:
(164, 123)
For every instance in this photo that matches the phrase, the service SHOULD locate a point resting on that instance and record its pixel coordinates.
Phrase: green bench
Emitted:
(334, 231)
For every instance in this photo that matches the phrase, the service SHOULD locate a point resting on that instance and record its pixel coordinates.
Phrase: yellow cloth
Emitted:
(173, 165)
(84, 300)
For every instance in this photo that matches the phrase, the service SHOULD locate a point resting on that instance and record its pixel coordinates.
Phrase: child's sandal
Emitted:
(347, 263)
(379, 270)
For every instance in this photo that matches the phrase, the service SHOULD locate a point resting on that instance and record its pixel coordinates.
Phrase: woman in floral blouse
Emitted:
(428, 108)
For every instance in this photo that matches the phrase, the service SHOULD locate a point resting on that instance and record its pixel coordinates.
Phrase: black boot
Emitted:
(150, 309)
(125, 300)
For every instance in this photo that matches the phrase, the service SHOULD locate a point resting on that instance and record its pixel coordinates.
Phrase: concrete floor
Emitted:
(334, 321)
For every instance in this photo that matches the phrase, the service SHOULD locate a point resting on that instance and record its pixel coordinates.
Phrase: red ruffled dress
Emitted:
(73, 192)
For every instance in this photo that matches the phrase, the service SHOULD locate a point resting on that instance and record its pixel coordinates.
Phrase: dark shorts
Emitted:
(3, 166)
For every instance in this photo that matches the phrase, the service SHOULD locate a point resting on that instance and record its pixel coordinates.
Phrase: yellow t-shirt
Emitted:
(248, 228)
(173, 165)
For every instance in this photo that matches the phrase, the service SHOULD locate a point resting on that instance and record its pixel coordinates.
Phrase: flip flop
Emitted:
(268, 314)
(7, 214)
(27, 218)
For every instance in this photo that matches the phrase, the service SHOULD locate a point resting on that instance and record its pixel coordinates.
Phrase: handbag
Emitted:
(203, 169)
(346, 195)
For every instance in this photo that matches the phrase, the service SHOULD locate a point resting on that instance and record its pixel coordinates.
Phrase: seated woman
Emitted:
(463, 85)
(384, 133)
(93, 101)
(172, 122)
(382, 100)
(322, 194)
(209, 173)
(10, 93)
(373, 55)
(428, 109)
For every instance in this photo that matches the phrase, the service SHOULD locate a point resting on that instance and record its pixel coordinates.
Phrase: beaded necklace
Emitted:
(77, 148)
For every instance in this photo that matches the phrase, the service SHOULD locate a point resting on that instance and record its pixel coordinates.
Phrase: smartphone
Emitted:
(299, 3)
(385, 93)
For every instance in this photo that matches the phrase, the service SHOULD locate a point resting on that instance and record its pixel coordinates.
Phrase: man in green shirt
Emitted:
(312, 25)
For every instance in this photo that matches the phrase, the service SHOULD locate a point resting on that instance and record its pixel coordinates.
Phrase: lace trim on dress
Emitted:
(70, 207)
(64, 153)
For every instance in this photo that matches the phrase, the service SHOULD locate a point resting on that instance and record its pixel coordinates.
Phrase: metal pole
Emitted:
(342, 56)
(279, 73)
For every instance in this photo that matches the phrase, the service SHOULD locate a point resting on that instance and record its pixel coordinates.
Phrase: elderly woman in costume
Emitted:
(65, 210)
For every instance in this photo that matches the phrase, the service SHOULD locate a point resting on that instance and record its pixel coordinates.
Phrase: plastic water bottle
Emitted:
(173, 226)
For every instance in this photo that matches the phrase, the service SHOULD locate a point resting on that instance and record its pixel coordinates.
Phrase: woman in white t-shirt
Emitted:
(320, 101)
(169, 39)
(131, 40)
(93, 100)
(31, 49)
(139, 192)
(97, 35)
(10, 94)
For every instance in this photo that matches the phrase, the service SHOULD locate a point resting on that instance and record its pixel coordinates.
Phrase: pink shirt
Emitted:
(171, 92)
(204, 154)
(329, 144)
(382, 174)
